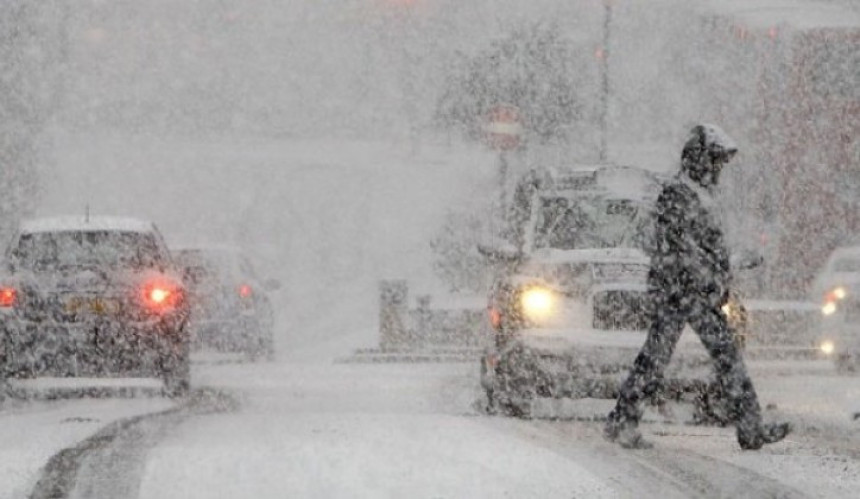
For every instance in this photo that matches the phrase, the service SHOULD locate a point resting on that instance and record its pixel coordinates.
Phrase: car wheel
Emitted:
(516, 407)
(176, 387)
(4, 386)
(488, 383)
(518, 380)
(261, 343)
(262, 352)
(847, 364)
(4, 351)
(177, 372)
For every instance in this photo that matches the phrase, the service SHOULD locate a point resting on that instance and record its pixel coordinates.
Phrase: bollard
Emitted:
(423, 322)
(393, 310)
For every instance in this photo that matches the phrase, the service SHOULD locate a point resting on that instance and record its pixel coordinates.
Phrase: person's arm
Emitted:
(670, 228)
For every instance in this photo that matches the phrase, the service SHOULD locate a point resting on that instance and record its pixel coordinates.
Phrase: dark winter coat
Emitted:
(689, 258)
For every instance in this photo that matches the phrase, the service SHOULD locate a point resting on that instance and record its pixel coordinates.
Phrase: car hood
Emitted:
(597, 255)
(585, 271)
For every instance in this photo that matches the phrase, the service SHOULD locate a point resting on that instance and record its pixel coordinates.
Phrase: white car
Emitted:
(837, 289)
(567, 306)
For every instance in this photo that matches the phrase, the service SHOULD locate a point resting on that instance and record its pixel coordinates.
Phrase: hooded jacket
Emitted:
(689, 257)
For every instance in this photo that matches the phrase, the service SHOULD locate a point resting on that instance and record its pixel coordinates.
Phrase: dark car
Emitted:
(93, 297)
(230, 306)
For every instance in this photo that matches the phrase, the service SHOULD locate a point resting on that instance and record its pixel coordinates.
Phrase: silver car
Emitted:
(837, 289)
(231, 310)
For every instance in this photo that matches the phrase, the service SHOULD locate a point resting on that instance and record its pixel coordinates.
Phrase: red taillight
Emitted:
(245, 291)
(8, 297)
(495, 317)
(161, 295)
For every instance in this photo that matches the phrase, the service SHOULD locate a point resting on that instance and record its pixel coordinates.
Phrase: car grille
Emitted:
(623, 309)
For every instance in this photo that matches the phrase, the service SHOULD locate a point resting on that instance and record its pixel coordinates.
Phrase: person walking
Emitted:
(688, 282)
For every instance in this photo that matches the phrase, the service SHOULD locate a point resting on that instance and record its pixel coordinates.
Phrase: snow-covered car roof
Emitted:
(621, 181)
(86, 224)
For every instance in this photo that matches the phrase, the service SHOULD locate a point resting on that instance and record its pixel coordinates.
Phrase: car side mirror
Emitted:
(746, 260)
(272, 284)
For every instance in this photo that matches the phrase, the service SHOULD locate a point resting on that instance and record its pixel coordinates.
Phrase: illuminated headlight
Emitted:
(829, 308)
(836, 294)
(538, 304)
(827, 347)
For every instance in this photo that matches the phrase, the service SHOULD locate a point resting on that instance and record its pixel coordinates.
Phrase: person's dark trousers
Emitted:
(668, 318)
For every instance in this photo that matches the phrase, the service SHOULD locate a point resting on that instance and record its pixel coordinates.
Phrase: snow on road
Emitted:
(313, 430)
(335, 430)
(32, 432)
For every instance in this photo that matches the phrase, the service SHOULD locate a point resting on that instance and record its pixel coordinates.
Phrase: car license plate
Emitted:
(91, 305)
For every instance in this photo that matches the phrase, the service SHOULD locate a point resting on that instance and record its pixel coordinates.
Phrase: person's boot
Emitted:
(625, 434)
(762, 434)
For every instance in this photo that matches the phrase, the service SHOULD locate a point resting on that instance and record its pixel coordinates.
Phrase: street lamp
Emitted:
(603, 56)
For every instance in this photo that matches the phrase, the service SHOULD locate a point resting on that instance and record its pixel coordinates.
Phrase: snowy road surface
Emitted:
(322, 429)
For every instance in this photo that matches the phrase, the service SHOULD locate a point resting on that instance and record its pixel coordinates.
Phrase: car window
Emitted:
(57, 250)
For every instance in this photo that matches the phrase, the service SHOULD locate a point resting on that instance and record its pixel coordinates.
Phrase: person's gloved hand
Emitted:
(727, 295)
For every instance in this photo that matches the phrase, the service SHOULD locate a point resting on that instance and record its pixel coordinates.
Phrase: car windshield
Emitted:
(69, 249)
(566, 223)
(207, 266)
